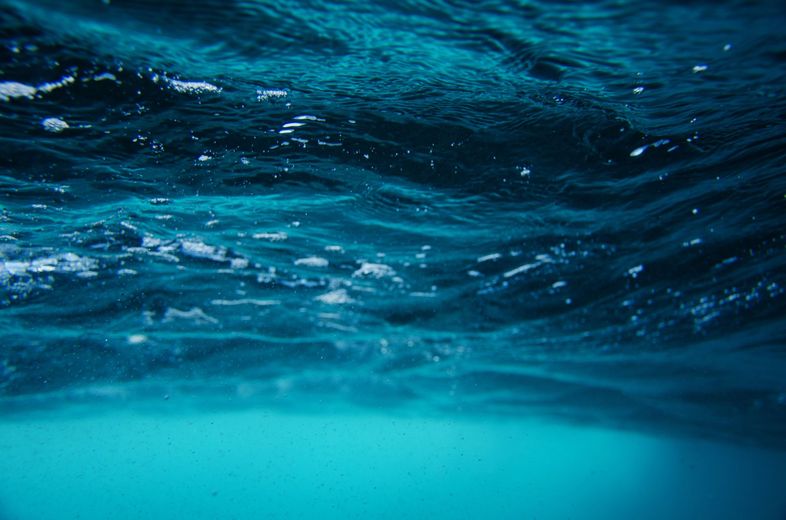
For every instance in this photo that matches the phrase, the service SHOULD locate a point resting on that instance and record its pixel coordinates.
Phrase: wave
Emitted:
(498, 207)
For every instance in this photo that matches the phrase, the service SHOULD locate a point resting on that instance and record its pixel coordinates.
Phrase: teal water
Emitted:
(415, 259)
(262, 464)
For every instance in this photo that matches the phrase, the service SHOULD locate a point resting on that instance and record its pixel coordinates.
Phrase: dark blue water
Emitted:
(484, 211)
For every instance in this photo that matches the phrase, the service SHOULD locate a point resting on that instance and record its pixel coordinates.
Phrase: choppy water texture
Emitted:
(499, 208)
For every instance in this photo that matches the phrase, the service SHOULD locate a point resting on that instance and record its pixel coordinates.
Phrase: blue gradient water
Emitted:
(392, 259)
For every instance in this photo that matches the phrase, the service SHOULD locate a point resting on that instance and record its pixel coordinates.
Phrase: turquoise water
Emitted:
(262, 464)
(393, 259)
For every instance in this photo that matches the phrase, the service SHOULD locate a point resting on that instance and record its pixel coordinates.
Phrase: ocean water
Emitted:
(411, 259)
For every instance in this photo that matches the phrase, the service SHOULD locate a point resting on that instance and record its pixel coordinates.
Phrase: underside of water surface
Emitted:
(461, 211)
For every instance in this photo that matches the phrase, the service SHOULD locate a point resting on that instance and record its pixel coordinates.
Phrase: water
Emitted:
(444, 258)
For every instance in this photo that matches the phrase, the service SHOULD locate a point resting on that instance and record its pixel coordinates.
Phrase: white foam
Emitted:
(325, 143)
(148, 241)
(14, 268)
(194, 314)
(264, 95)
(276, 236)
(246, 301)
(492, 256)
(238, 263)
(62, 82)
(54, 125)
(521, 269)
(72, 263)
(13, 89)
(197, 249)
(64, 263)
(312, 261)
(421, 294)
(193, 87)
(371, 270)
(337, 297)
(104, 76)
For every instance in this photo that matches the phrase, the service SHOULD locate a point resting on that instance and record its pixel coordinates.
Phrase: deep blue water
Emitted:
(485, 211)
